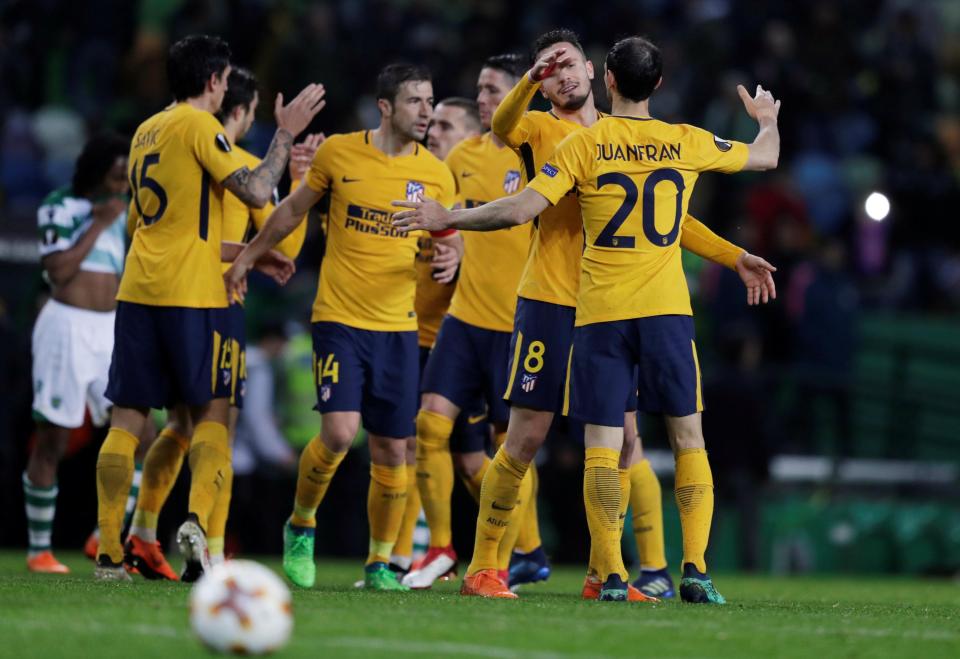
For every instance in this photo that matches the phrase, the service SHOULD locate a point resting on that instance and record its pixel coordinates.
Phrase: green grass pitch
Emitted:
(73, 616)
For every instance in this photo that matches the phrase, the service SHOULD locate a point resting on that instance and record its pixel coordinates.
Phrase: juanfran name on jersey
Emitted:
(63, 219)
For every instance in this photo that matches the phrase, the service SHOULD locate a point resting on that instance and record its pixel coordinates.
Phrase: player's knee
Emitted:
(467, 464)
(438, 405)
(688, 440)
(524, 445)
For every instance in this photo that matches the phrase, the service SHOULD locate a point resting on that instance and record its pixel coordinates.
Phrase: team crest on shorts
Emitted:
(528, 382)
(325, 392)
(511, 182)
(226, 376)
(414, 191)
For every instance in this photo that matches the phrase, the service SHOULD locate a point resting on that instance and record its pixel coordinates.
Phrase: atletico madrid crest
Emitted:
(325, 391)
(528, 382)
(511, 182)
(414, 191)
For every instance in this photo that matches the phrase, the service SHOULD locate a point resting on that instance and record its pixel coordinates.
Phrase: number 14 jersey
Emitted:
(178, 159)
(634, 178)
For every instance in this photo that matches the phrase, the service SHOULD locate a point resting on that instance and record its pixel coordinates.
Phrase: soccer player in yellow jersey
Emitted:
(364, 324)
(170, 323)
(634, 177)
(470, 356)
(454, 119)
(164, 460)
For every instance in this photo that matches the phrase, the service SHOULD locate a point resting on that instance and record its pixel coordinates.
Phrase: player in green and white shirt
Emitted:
(82, 232)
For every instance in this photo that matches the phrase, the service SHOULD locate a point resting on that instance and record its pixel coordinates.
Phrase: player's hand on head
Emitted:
(296, 115)
(276, 266)
(757, 276)
(446, 260)
(108, 210)
(550, 62)
(762, 106)
(302, 153)
(425, 215)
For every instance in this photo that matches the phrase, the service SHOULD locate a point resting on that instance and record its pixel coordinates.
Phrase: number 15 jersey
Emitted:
(634, 178)
(178, 159)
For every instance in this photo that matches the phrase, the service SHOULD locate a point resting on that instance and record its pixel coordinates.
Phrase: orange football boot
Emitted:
(486, 583)
(45, 563)
(592, 586)
(147, 558)
(91, 545)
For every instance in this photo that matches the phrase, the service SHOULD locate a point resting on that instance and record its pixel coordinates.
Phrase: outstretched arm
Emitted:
(254, 188)
(510, 211)
(765, 149)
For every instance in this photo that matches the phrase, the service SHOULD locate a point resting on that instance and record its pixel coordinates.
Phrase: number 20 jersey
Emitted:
(178, 159)
(634, 178)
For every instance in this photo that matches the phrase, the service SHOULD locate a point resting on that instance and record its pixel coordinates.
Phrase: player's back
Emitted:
(178, 158)
(634, 178)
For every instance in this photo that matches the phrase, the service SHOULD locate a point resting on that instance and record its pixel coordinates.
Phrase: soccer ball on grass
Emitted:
(241, 607)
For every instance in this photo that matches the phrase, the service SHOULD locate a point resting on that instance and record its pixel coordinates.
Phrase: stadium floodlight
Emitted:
(877, 206)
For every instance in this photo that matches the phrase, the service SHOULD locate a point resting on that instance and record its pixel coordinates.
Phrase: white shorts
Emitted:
(72, 349)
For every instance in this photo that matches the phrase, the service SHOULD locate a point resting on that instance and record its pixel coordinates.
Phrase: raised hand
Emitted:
(298, 113)
(550, 62)
(301, 155)
(426, 215)
(762, 107)
(107, 211)
(757, 275)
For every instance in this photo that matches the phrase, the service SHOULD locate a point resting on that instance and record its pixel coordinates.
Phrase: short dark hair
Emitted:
(469, 107)
(394, 75)
(95, 161)
(241, 88)
(553, 37)
(192, 61)
(636, 65)
(512, 64)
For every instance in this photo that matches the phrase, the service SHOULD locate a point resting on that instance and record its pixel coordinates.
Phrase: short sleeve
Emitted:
(211, 146)
(56, 226)
(318, 177)
(709, 153)
(563, 170)
(447, 194)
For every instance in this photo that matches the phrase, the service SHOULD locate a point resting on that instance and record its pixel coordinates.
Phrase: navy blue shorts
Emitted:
(374, 373)
(470, 428)
(168, 355)
(236, 331)
(603, 365)
(468, 362)
(539, 349)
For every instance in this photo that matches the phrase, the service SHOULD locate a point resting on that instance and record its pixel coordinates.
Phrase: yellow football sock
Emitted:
(529, 537)
(209, 459)
(475, 482)
(601, 497)
(218, 517)
(645, 497)
(624, 475)
(411, 511)
(435, 474)
(509, 540)
(498, 498)
(318, 464)
(161, 466)
(114, 477)
(386, 500)
(694, 492)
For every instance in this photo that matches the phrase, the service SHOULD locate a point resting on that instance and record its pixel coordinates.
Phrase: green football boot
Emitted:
(697, 588)
(298, 562)
(379, 576)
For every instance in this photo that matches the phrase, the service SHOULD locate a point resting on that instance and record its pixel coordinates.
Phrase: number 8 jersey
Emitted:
(634, 178)
(178, 158)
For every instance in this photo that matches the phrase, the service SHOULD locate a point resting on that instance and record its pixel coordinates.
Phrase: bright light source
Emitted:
(877, 206)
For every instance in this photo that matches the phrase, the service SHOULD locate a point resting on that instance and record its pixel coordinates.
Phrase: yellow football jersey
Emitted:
(368, 277)
(493, 261)
(237, 216)
(432, 299)
(634, 178)
(178, 159)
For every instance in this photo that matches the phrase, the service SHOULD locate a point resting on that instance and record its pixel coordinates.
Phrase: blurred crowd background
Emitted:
(833, 414)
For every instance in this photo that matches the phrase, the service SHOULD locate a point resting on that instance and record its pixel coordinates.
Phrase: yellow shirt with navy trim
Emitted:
(432, 299)
(368, 276)
(237, 216)
(634, 178)
(178, 159)
(493, 261)
(552, 269)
